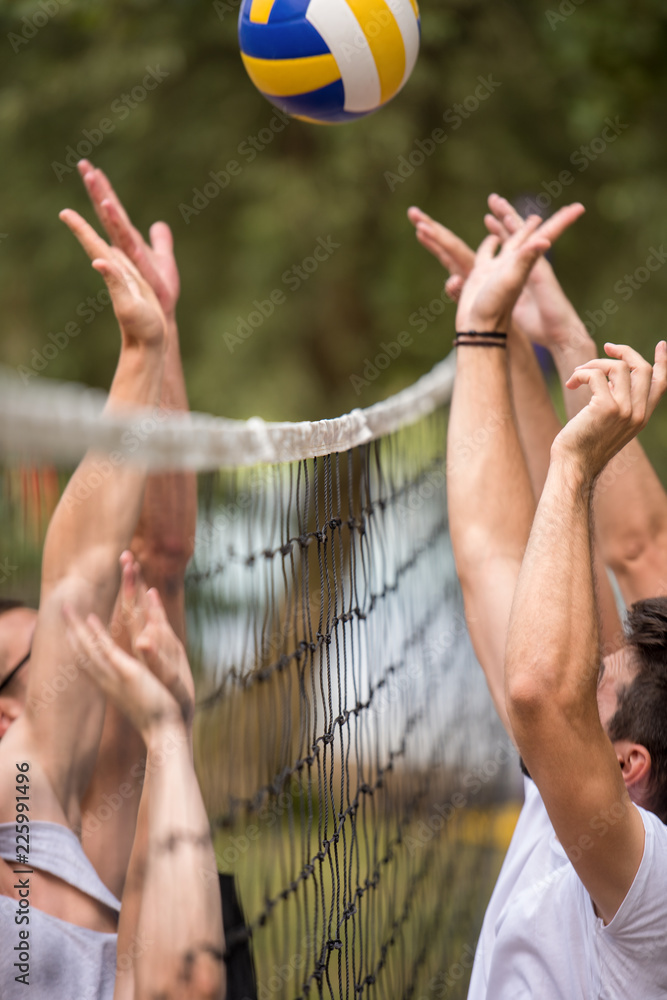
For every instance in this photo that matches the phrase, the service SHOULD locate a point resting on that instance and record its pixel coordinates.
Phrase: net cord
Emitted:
(59, 422)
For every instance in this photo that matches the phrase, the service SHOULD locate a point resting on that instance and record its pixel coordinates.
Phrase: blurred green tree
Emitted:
(555, 73)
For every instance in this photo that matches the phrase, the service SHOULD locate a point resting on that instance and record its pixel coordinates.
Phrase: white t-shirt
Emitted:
(541, 939)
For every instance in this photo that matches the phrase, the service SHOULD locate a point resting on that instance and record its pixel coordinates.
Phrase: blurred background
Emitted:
(567, 86)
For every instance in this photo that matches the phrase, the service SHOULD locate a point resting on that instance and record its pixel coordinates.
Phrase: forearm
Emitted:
(490, 496)
(630, 501)
(553, 641)
(98, 512)
(183, 915)
(164, 538)
(490, 501)
(538, 425)
(536, 418)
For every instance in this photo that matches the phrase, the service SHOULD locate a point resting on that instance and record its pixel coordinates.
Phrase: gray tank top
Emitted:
(66, 962)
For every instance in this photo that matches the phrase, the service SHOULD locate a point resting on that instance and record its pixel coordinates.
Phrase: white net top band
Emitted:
(59, 422)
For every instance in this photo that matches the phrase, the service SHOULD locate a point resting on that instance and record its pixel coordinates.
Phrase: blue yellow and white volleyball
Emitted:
(329, 61)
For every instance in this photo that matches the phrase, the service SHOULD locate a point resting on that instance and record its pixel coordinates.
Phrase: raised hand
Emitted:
(453, 253)
(139, 313)
(153, 639)
(625, 391)
(130, 685)
(494, 284)
(155, 260)
(543, 311)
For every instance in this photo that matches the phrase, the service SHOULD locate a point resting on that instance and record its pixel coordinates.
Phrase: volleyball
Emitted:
(329, 61)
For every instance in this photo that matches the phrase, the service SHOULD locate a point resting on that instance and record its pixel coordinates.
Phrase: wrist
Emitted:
(151, 344)
(572, 341)
(571, 470)
(165, 735)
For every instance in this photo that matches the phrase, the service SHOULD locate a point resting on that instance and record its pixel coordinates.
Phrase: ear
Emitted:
(635, 761)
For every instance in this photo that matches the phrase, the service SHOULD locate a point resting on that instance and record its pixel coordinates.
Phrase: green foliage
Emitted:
(563, 68)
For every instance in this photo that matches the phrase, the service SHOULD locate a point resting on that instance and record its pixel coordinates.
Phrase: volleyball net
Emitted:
(351, 762)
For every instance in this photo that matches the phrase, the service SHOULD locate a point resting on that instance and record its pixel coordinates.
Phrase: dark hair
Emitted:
(641, 714)
(6, 604)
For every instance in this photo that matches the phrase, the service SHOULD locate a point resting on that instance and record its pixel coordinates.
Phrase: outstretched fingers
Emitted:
(620, 383)
(91, 241)
(524, 234)
(648, 382)
(107, 664)
(161, 238)
(454, 287)
(109, 207)
(555, 226)
(452, 252)
(598, 383)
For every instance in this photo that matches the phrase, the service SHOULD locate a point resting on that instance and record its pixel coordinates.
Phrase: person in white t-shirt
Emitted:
(579, 908)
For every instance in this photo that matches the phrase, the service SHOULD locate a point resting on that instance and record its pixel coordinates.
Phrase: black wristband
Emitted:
(481, 343)
(489, 334)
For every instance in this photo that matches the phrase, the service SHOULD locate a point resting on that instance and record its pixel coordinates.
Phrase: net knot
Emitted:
(321, 536)
(286, 549)
(335, 522)
(335, 945)
(304, 540)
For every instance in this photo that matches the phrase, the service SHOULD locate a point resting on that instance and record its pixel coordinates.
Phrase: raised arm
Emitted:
(552, 662)
(163, 541)
(630, 502)
(93, 523)
(490, 496)
(536, 418)
(541, 308)
(173, 890)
